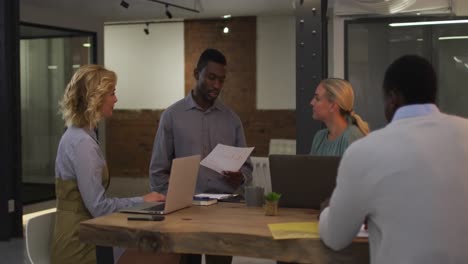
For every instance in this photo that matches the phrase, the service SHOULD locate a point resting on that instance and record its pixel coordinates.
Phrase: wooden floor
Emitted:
(13, 251)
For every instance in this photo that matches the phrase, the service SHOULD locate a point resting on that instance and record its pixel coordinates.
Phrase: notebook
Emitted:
(203, 201)
(303, 181)
(182, 181)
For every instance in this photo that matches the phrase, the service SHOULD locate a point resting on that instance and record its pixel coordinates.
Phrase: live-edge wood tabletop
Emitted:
(222, 229)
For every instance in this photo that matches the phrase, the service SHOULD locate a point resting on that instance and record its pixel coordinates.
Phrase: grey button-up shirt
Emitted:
(80, 158)
(185, 130)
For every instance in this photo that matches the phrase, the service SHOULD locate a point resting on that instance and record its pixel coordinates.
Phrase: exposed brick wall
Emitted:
(239, 47)
(261, 126)
(129, 141)
(130, 134)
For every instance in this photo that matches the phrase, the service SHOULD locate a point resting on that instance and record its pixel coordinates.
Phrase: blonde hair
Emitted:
(341, 92)
(84, 95)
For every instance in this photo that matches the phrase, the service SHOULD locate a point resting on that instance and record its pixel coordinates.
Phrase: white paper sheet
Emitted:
(363, 232)
(226, 158)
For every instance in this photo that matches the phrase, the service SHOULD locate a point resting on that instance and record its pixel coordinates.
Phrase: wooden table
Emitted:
(223, 229)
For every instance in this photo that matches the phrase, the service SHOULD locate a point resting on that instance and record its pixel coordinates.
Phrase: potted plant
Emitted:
(271, 203)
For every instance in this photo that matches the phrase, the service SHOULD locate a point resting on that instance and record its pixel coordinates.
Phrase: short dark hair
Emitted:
(413, 78)
(210, 55)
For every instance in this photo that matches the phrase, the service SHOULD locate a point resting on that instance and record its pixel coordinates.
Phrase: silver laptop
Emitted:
(180, 191)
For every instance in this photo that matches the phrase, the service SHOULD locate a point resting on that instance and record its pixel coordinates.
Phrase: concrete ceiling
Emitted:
(112, 11)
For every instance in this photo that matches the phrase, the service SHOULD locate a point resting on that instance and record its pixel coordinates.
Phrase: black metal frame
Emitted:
(311, 66)
(166, 3)
(10, 117)
(76, 33)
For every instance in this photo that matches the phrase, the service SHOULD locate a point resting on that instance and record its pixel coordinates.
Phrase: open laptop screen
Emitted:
(182, 181)
(303, 181)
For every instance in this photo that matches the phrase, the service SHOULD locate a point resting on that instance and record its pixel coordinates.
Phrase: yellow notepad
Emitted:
(294, 230)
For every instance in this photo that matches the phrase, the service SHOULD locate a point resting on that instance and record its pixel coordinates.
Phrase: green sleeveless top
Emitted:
(321, 146)
(66, 246)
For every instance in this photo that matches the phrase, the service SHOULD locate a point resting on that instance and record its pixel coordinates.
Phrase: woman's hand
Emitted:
(154, 197)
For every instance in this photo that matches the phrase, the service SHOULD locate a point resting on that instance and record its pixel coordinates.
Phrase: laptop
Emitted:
(180, 191)
(303, 181)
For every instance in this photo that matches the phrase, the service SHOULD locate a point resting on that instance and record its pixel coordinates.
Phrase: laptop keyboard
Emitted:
(158, 207)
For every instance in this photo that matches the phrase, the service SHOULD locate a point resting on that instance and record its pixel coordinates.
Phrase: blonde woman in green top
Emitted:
(333, 104)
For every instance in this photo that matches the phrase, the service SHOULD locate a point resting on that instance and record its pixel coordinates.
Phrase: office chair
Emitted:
(38, 235)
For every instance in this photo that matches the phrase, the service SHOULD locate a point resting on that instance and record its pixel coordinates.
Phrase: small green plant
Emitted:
(272, 196)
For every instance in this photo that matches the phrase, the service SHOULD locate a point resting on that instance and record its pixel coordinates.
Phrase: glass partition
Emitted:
(372, 44)
(451, 60)
(48, 58)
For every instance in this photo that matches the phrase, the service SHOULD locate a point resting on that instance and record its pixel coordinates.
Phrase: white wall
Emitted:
(276, 62)
(460, 7)
(150, 68)
(336, 46)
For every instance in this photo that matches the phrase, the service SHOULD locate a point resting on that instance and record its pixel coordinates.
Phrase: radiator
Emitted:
(261, 173)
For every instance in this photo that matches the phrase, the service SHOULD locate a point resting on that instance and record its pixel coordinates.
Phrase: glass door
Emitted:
(372, 44)
(48, 59)
(451, 56)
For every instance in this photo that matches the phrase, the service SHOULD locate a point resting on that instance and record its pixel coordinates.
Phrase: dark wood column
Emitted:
(10, 130)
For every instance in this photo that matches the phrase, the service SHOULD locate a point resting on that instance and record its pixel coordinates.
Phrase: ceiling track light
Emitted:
(425, 23)
(168, 14)
(146, 29)
(124, 4)
(174, 5)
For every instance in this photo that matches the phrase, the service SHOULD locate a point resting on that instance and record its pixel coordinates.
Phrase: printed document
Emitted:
(363, 232)
(226, 158)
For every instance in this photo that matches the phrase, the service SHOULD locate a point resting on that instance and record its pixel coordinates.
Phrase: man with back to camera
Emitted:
(195, 125)
(409, 179)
